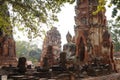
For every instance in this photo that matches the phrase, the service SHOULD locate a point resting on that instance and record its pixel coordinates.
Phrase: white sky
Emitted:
(66, 23)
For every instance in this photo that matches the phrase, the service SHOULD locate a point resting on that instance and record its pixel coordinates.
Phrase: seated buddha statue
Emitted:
(69, 47)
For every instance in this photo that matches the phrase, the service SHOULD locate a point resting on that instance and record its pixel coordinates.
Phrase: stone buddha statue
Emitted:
(69, 47)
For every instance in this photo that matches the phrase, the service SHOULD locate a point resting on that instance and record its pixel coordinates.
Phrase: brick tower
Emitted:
(92, 38)
(51, 46)
(7, 51)
(7, 43)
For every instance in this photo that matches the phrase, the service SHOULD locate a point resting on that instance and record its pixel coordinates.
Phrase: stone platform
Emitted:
(33, 74)
(113, 76)
(6, 61)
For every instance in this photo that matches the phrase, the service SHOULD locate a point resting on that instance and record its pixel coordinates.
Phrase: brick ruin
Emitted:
(51, 47)
(7, 50)
(7, 42)
(92, 38)
(92, 41)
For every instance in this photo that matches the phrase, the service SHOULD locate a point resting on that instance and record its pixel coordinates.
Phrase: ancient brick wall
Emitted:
(7, 51)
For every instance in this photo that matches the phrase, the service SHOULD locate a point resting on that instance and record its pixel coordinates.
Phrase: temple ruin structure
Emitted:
(93, 41)
(7, 51)
(7, 42)
(51, 47)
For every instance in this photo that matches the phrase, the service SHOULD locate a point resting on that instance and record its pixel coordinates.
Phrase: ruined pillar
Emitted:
(51, 46)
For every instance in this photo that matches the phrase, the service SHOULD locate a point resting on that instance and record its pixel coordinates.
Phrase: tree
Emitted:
(28, 50)
(34, 54)
(112, 3)
(116, 4)
(22, 48)
(29, 14)
(114, 28)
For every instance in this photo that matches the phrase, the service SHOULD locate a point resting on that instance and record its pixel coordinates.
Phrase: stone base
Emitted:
(113, 76)
(6, 61)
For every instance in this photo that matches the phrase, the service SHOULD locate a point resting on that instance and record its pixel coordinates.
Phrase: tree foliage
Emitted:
(30, 15)
(115, 32)
(116, 9)
(111, 3)
(34, 54)
(22, 48)
(28, 50)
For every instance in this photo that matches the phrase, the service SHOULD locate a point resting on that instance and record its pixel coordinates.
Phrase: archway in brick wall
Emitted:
(81, 50)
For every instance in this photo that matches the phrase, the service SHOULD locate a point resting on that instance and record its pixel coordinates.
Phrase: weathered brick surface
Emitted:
(52, 38)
